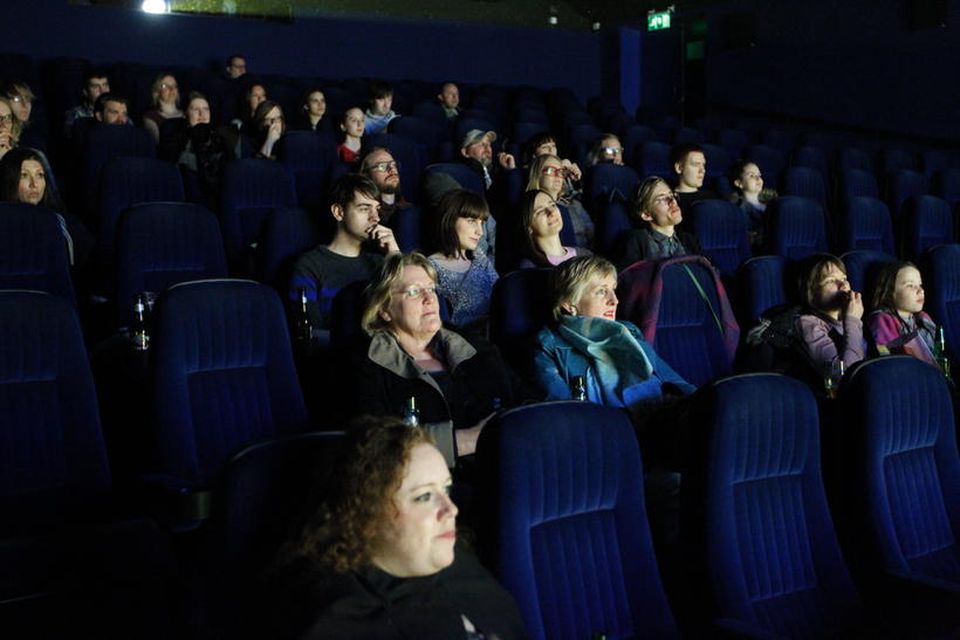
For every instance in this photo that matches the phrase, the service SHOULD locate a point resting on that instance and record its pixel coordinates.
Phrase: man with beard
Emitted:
(379, 165)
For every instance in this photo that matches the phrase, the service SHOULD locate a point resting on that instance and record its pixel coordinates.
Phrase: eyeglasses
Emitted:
(384, 167)
(414, 291)
(554, 171)
(164, 85)
(666, 199)
(18, 99)
(7, 118)
(613, 151)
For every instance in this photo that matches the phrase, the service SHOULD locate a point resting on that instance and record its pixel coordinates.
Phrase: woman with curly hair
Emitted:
(379, 558)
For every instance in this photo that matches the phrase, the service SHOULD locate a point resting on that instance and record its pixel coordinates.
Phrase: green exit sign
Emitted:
(658, 20)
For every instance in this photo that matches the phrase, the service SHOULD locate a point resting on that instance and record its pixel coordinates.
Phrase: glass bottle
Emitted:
(578, 388)
(139, 329)
(304, 330)
(832, 377)
(411, 414)
(940, 352)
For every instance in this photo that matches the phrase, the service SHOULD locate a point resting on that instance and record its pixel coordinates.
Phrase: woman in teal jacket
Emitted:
(618, 367)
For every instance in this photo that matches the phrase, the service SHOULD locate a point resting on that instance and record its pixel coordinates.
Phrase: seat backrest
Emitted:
(464, 175)
(407, 224)
(653, 159)
(763, 286)
(682, 309)
(858, 182)
(927, 222)
(289, 232)
(53, 461)
(606, 182)
(812, 157)
(947, 183)
(796, 227)
(904, 471)
(163, 243)
(102, 143)
(129, 181)
(310, 159)
(520, 305)
(224, 375)
(806, 182)
(33, 251)
(941, 271)
(770, 160)
(574, 546)
(612, 221)
(733, 140)
(721, 229)
(902, 185)
(865, 224)
(758, 511)
(863, 268)
(252, 188)
(853, 158)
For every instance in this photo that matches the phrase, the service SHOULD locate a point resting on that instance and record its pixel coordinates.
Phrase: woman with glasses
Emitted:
(540, 225)
(548, 173)
(9, 127)
(465, 274)
(655, 208)
(269, 125)
(455, 385)
(30, 131)
(165, 98)
(607, 149)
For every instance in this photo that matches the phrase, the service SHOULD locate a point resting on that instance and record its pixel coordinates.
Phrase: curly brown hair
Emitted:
(342, 533)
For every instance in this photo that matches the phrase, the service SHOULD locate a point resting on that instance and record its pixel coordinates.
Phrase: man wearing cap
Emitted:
(477, 149)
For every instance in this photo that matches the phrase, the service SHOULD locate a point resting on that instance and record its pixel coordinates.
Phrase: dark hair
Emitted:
(680, 152)
(456, 204)
(736, 170)
(341, 535)
(259, 120)
(94, 72)
(344, 190)
(531, 249)
(10, 167)
(104, 98)
(812, 273)
(887, 284)
(380, 89)
(16, 86)
(364, 169)
(305, 99)
(535, 141)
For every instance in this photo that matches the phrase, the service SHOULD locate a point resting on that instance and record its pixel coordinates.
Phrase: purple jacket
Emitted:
(826, 339)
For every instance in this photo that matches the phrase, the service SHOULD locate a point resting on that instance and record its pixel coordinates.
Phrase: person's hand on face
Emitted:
(572, 170)
(507, 161)
(275, 131)
(383, 237)
(854, 305)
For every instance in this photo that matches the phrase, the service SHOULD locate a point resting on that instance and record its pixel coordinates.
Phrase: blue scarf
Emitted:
(623, 370)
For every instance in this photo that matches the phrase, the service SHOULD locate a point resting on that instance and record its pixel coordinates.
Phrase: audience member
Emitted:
(21, 97)
(9, 127)
(379, 558)
(111, 108)
(355, 253)
(449, 98)
(268, 125)
(540, 224)
(236, 67)
(465, 275)
(830, 326)
(25, 177)
(476, 150)
(456, 385)
(165, 101)
(380, 112)
(751, 197)
(548, 173)
(253, 97)
(655, 207)
(898, 323)
(618, 367)
(351, 124)
(690, 165)
(313, 108)
(607, 149)
(95, 83)
(379, 165)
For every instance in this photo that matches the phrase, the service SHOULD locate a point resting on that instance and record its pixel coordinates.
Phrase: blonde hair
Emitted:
(536, 170)
(570, 279)
(378, 291)
(642, 200)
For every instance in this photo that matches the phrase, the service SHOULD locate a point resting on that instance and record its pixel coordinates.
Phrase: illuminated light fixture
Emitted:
(155, 6)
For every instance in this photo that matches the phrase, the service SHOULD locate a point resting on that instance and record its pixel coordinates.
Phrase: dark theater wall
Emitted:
(309, 46)
(856, 62)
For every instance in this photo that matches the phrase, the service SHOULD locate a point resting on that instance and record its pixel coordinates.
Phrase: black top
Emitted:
(370, 604)
(647, 244)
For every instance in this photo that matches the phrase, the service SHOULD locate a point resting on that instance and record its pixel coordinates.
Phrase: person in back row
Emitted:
(355, 253)
(379, 165)
(95, 83)
(690, 165)
(656, 209)
(380, 112)
(449, 98)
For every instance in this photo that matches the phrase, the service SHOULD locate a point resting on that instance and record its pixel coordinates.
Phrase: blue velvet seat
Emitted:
(569, 522)
(762, 286)
(310, 160)
(863, 268)
(927, 221)
(33, 251)
(721, 229)
(224, 377)
(289, 232)
(520, 306)
(653, 159)
(901, 186)
(757, 513)
(607, 182)
(102, 143)
(858, 182)
(795, 227)
(941, 277)
(865, 225)
(806, 182)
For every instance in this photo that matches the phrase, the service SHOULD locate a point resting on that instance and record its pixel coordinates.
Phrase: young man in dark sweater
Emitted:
(355, 253)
